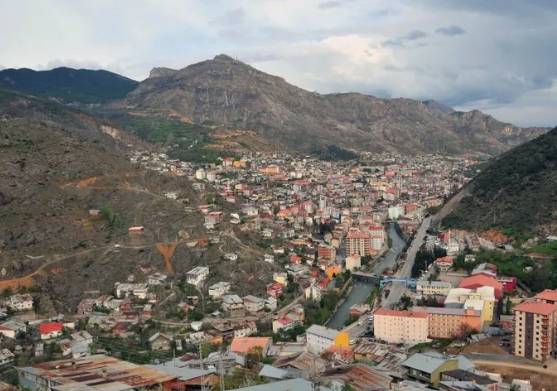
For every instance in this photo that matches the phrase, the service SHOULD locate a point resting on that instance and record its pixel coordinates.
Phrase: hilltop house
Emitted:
(197, 275)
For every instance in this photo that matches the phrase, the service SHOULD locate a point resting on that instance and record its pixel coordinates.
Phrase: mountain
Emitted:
(58, 164)
(228, 94)
(517, 192)
(67, 84)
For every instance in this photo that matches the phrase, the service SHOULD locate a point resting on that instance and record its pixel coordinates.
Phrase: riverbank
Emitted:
(360, 291)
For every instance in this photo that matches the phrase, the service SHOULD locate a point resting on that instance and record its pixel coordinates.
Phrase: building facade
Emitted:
(535, 327)
(394, 326)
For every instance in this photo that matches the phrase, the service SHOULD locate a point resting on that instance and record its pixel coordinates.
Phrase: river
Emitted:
(361, 290)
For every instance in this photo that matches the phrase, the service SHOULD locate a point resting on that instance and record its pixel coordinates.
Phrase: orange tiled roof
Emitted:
(548, 294)
(246, 344)
(536, 307)
(478, 280)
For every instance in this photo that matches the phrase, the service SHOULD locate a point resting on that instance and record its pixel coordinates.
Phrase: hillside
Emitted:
(67, 84)
(227, 94)
(517, 192)
(57, 164)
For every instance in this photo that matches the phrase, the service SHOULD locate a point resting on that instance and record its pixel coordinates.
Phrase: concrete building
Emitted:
(233, 305)
(394, 326)
(482, 299)
(431, 288)
(358, 242)
(448, 323)
(127, 289)
(254, 304)
(320, 339)
(353, 262)
(535, 327)
(197, 275)
(216, 291)
(429, 366)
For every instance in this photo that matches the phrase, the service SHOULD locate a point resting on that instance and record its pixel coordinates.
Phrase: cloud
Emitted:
(450, 30)
(503, 59)
(402, 40)
(329, 4)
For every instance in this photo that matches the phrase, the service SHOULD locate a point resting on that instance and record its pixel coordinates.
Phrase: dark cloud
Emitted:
(450, 30)
(514, 8)
(401, 41)
(416, 34)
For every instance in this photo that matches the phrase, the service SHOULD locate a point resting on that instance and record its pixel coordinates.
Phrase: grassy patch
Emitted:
(187, 142)
(549, 248)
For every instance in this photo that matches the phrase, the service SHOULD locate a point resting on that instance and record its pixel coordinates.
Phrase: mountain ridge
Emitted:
(67, 84)
(517, 192)
(228, 93)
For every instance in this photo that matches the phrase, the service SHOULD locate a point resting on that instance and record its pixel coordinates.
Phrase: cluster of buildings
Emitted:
(469, 308)
(317, 220)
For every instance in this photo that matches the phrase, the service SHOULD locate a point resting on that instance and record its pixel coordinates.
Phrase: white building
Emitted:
(353, 262)
(200, 174)
(428, 288)
(216, 291)
(395, 212)
(320, 338)
(156, 279)
(126, 289)
(197, 275)
(19, 302)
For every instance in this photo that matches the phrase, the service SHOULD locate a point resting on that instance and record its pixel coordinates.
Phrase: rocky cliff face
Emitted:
(230, 94)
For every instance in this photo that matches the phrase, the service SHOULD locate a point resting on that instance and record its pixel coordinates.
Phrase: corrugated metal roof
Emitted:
(97, 373)
(425, 362)
(285, 385)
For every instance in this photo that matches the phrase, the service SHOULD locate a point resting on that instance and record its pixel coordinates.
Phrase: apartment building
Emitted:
(535, 327)
(447, 323)
(328, 253)
(358, 242)
(482, 298)
(534, 330)
(394, 326)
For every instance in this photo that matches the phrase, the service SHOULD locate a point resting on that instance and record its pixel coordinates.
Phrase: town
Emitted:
(357, 288)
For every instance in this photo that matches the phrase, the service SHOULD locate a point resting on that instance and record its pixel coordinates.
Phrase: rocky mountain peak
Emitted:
(224, 58)
(161, 72)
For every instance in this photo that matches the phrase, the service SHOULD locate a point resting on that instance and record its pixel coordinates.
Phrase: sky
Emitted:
(499, 56)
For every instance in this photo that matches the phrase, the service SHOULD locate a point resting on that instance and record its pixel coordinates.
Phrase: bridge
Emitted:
(408, 282)
(366, 277)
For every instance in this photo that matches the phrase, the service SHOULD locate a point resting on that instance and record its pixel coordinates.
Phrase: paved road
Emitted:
(397, 289)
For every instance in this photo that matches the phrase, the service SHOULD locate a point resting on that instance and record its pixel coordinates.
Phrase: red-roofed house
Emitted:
(479, 280)
(50, 330)
(275, 289)
(547, 296)
(444, 263)
(241, 346)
